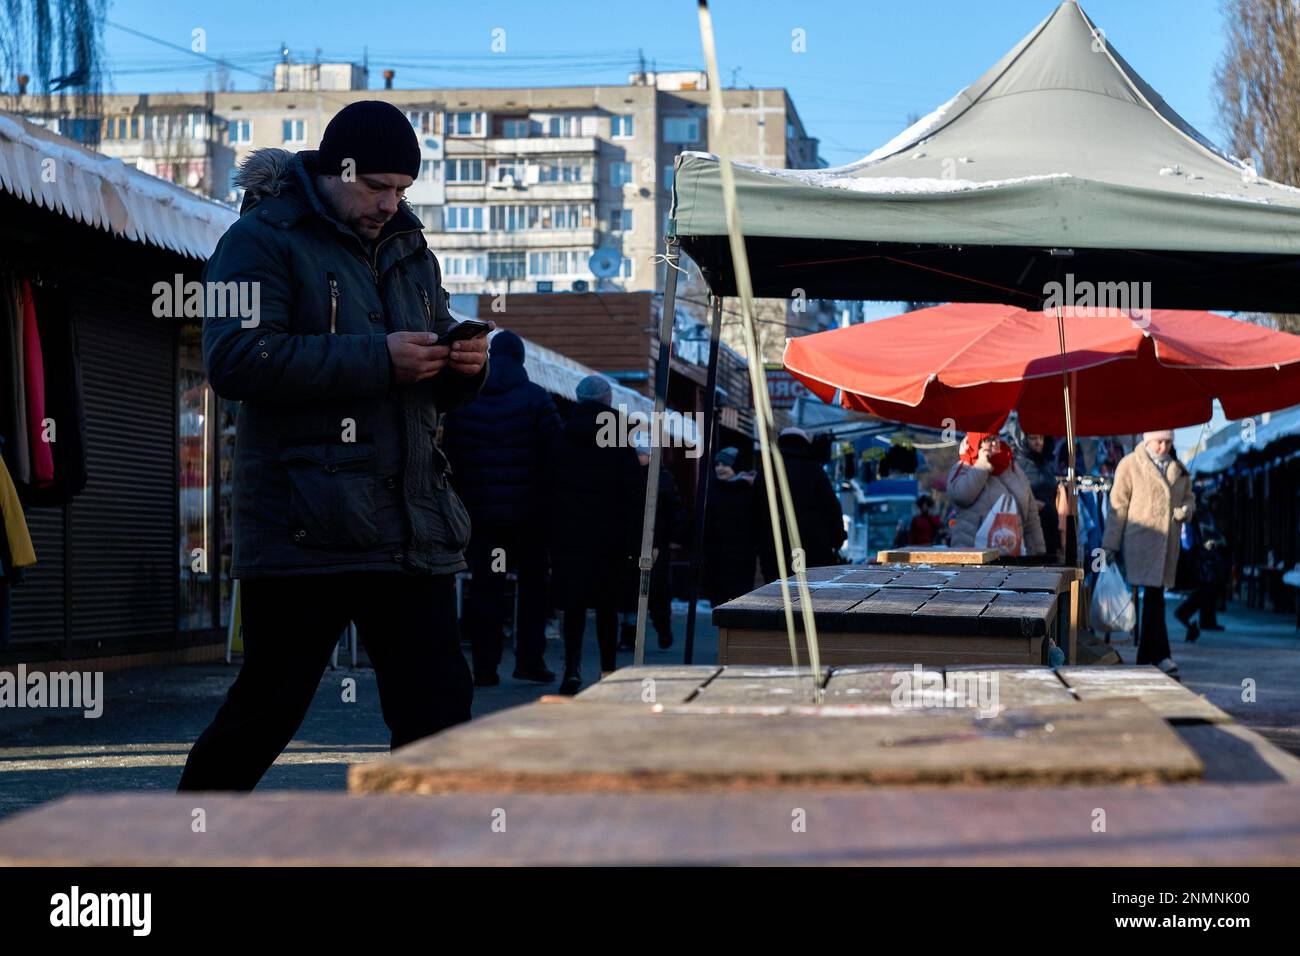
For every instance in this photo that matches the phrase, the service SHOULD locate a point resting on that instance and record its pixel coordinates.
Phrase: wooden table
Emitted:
(976, 614)
(744, 728)
(937, 554)
(1209, 825)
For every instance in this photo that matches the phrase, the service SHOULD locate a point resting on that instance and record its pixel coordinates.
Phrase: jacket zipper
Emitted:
(334, 302)
(428, 312)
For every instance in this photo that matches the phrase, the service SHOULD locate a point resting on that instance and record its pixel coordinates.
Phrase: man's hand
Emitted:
(415, 357)
(468, 355)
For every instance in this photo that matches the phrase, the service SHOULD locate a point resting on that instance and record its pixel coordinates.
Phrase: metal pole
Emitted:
(1071, 528)
(646, 563)
(703, 479)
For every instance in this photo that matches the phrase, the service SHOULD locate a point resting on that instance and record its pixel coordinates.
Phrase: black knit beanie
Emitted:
(375, 135)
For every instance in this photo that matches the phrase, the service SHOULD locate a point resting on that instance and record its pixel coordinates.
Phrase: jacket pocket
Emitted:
(332, 501)
(447, 517)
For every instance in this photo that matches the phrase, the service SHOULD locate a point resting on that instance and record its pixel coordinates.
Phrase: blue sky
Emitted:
(867, 66)
(868, 63)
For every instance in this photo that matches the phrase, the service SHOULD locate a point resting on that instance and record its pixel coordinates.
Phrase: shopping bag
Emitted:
(1001, 529)
(1112, 602)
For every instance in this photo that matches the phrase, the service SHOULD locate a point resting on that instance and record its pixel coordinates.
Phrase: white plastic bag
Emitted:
(1001, 529)
(1112, 602)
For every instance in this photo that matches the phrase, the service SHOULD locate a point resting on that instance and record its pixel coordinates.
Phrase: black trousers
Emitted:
(1203, 601)
(575, 625)
(1153, 638)
(408, 624)
(522, 551)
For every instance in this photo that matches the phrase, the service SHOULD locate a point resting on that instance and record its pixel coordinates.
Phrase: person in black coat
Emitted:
(729, 530)
(670, 528)
(593, 490)
(1036, 455)
(816, 508)
(497, 447)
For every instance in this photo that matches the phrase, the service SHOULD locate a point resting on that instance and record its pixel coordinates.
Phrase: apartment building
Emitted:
(550, 189)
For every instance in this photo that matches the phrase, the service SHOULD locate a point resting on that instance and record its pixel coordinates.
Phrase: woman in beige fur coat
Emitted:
(1150, 499)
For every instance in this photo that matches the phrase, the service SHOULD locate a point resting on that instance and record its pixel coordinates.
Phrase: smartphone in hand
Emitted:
(465, 329)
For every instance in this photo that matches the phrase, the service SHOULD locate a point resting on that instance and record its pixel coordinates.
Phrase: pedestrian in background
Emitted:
(593, 492)
(728, 530)
(1199, 574)
(1150, 499)
(670, 528)
(925, 525)
(1036, 456)
(816, 508)
(497, 446)
(985, 471)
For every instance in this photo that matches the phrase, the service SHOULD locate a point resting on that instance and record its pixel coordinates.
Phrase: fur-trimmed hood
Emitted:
(264, 173)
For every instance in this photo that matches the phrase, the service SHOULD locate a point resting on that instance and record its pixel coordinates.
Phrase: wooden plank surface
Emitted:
(938, 555)
(1152, 686)
(617, 747)
(838, 648)
(1014, 686)
(1211, 825)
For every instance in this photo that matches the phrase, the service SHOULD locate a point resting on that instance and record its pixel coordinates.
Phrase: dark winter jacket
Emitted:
(336, 465)
(593, 495)
(729, 539)
(816, 508)
(497, 445)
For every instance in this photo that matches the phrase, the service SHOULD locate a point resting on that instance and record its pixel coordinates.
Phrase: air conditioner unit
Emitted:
(545, 286)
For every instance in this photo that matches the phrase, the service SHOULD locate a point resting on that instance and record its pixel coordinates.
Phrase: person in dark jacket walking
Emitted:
(594, 525)
(342, 506)
(728, 530)
(1036, 455)
(670, 528)
(497, 446)
(816, 508)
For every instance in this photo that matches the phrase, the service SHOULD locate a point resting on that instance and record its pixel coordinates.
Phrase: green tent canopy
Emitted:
(1060, 159)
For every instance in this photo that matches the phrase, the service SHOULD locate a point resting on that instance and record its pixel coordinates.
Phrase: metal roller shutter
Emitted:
(38, 608)
(123, 539)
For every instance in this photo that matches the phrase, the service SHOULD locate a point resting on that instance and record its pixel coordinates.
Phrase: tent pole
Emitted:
(646, 562)
(1071, 529)
(703, 478)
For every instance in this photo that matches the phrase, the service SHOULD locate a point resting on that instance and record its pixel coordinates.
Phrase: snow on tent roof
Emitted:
(1060, 144)
(102, 192)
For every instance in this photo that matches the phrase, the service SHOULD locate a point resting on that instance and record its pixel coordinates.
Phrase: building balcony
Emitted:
(522, 192)
(499, 240)
(524, 146)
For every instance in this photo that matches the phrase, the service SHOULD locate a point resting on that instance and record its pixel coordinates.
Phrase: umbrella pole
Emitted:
(702, 480)
(646, 562)
(1071, 529)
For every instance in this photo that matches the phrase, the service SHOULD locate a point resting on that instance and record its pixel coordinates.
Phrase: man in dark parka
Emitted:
(343, 506)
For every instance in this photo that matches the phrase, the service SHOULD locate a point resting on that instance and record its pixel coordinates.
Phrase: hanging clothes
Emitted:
(64, 400)
(21, 452)
(42, 456)
(21, 552)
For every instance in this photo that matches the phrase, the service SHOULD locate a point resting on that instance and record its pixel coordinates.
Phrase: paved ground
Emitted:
(152, 716)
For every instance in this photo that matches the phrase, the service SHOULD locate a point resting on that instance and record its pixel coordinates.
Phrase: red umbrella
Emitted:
(968, 366)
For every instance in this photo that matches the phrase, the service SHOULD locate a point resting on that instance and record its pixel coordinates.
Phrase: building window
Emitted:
(620, 173)
(789, 130)
(427, 215)
(241, 131)
(506, 265)
(429, 170)
(621, 126)
(569, 169)
(465, 267)
(558, 263)
(626, 271)
(462, 218)
(464, 170)
(516, 128)
(465, 124)
(515, 217)
(668, 177)
(620, 220)
(195, 126)
(681, 129)
(421, 121)
(568, 125)
(294, 131)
